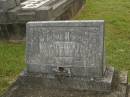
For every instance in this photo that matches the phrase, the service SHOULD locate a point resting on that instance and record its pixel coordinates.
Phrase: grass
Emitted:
(11, 63)
(116, 14)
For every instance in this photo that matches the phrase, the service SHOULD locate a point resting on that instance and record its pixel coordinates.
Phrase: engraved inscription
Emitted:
(69, 47)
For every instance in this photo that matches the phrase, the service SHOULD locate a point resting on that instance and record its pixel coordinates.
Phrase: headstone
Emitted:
(72, 47)
(66, 59)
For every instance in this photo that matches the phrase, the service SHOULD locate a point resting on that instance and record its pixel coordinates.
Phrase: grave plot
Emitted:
(66, 59)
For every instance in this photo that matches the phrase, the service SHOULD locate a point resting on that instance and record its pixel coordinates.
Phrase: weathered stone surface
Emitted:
(33, 87)
(43, 13)
(77, 46)
(26, 16)
(36, 10)
(45, 10)
(69, 83)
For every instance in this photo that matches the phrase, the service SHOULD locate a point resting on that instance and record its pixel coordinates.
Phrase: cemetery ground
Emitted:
(117, 39)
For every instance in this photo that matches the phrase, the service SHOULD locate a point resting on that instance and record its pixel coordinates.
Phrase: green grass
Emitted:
(11, 63)
(116, 14)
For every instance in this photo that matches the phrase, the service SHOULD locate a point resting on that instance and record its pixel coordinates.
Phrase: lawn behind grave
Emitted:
(116, 14)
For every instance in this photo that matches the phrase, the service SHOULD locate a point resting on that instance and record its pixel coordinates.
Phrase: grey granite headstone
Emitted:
(68, 48)
(75, 46)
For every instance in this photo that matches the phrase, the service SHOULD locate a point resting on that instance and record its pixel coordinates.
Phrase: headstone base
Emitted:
(66, 82)
(25, 88)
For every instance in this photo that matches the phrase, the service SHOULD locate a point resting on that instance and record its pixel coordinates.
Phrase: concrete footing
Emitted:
(25, 88)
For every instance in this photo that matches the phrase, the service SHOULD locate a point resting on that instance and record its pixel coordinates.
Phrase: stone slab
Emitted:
(58, 8)
(26, 16)
(50, 10)
(57, 81)
(76, 46)
(43, 13)
(20, 89)
(32, 4)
